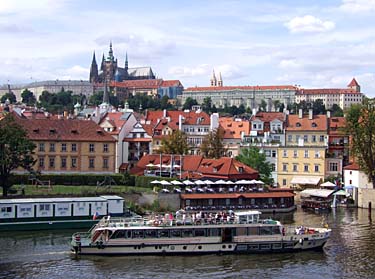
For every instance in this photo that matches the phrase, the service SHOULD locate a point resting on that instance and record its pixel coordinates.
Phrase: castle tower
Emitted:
(220, 81)
(354, 85)
(94, 76)
(213, 79)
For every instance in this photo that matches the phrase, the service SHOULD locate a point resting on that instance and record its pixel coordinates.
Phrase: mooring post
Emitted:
(369, 210)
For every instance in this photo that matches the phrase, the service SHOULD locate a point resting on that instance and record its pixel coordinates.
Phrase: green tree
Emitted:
(207, 105)
(263, 105)
(276, 104)
(253, 157)
(164, 103)
(189, 102)
(28, 97)
(213, 146)
(318, 107)
(16, 150)
(176, 143)
(360, 124)
(8, 96)
(337, 111)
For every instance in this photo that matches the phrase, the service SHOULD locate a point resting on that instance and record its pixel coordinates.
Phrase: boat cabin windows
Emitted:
(187, 233)
(241, 231)
(265, 230)
(138, 234)
(44, 207)
(150, 233)
(175, 233)
(163, 233)
(199, 232)
(6, 209)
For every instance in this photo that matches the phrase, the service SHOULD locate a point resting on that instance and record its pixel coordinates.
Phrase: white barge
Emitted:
(57, 213)
(239, 232)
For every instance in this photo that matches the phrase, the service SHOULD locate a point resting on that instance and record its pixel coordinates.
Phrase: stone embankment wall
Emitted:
(365, 196)
(169, 200)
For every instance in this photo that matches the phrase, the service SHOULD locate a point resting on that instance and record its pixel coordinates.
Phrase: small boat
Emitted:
(200, 233)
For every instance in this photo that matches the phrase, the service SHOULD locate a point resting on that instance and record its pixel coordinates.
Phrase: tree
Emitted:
(263, 105)
(189, 102)
(252, 157)
(28, 97)
(360, 124)
(276, 104)
(176, 143)
(213, 146)
(318, 107)
(8, 96)
(337, 111)
(16, 150)
(207, 105)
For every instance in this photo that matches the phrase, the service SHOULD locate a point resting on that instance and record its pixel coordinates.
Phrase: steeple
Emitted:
(94, 76)
(110, 53)
(220, 81)
(213, 79)
(102, 64)
(126, 61)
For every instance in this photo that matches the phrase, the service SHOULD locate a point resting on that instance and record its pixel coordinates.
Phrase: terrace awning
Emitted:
(304, 180)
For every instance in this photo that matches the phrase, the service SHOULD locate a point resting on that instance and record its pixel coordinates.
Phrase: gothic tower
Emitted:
(213, 79)
(220, 81)
(94, 75)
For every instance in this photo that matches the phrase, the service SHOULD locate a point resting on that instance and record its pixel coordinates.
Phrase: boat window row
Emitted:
(196, 232)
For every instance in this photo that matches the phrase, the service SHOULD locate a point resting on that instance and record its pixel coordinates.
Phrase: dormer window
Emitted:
(36, 131)
(74, 132)
(52, 131)
(298, 124)
(214, 170)
(240, 169)
(314, 125)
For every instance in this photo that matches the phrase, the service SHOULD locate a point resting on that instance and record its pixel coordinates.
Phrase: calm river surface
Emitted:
(350, 253)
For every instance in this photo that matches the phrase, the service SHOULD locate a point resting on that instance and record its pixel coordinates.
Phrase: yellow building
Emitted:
(301, 162)
(70, 146)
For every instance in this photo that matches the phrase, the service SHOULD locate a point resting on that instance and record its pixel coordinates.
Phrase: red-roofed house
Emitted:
(70, 145)
(235, 130)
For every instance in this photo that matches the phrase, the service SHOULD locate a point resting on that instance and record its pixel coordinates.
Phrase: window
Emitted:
(273, 155)
(285, 153)
(285, 167)
(63, 147)
(273, 167)
(44, 207)
(91, 163)
(105, 147)
(51, 147)
(74, 147)
(333, 167)
(52, 162)
(74, 162)
(297, 138)
(295, 153)
(105, 163)
(41, 162)
(295, 167)
(321, 138)
(41, 147)
(313, 138)
(63, 162)
(316, 168)
(306, 138)
(284, 182)
(306, 154)
(306, 168)
(92, 147)
(317, 154)
(6, 209)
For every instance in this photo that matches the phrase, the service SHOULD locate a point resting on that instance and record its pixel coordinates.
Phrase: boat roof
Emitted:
(322, 193)
(249, 212)
(55, 200)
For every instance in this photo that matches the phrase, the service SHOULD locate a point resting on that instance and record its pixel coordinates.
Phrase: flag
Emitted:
(96, 215)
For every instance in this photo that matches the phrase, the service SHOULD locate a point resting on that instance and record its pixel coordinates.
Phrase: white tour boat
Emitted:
(237, 232)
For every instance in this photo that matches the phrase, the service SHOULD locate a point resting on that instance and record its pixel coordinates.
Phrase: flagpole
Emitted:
(160, 164)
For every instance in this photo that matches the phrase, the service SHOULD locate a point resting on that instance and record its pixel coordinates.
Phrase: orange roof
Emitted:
(353, 83)
(337, 125)
(327, 91)
(255, 88)
(189, 118)
(141, 83)
(225, 167)
(318, 123)
(115, 119)
(64, 130)
(233, 129)
(237, 195)
(352, 166)
(170, 83)
(269, 116)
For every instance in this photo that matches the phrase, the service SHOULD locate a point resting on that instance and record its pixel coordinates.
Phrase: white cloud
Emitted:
(309, 23)
(186, 72)
(358, 6)
(75, 72)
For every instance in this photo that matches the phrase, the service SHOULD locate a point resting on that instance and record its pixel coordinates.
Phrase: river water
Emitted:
(348, 254)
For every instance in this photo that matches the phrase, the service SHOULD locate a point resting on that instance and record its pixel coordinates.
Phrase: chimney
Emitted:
(328, 114)
(164, 113)
(300, 114)
(310, 114)
(254, 111)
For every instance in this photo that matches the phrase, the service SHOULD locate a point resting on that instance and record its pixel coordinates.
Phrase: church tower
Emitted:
(213, 79)
(220, 81)
(94, 75)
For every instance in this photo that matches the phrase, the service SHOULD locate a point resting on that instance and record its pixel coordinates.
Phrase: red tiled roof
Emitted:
(269, 116)
(227, 88)
(190, 118)
(115, 119)
(306, 124)
(64, 129)
(337, 125)
(225, 167)
(327, 91)
(233, 129)
(352, 166)
(141, 83)
(170, 83)
(353, 83)
(237, 195)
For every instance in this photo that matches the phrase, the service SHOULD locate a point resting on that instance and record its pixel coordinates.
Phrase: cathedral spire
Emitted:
(94, 76)
(102, 64)
(126, 61)
(110, 51)
(213, 79)
(220, 80)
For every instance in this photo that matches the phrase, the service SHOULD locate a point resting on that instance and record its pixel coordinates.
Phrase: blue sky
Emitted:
(313, 44)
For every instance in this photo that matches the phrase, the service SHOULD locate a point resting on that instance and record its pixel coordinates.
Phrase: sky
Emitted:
(313, 44)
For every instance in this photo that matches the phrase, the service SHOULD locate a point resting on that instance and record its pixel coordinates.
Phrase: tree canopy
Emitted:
(8, 96)
(213, 146)
(360, 124)
(16, 150)
(28, 97)
(176, 143)
(189, 102)
(252, 157)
